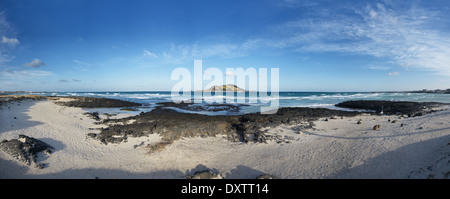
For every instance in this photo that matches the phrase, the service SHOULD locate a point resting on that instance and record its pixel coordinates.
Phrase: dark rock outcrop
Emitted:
(172, 125)
(26, 149)
(92, 102)
(206, 174)
(93, 115)
(390, 107)
(377, 127)
(229, 108)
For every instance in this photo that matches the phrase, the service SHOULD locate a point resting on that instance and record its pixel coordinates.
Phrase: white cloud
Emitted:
(408, 37)
(5, 57)
(393, 73)
(150, 54)
(10, 41)
(81, 63)
(6, 43)
(375, 67)
(24, 74)
(179, 54)
(35, 63)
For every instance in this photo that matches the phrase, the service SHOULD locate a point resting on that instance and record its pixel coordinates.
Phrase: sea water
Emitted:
(286, 99)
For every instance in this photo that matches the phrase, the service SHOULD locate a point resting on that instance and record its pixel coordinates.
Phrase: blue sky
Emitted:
(94, 45)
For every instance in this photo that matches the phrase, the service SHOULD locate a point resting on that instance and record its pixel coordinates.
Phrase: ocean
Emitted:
(286, 99)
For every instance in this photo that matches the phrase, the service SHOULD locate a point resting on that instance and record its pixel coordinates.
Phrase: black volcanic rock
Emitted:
(93, 115)
(26, 149)
(172, 125)
(92, 102)
(390, 107)
(230, 108)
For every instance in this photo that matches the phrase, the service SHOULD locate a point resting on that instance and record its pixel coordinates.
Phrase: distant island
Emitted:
(226, 88)
(438, 91)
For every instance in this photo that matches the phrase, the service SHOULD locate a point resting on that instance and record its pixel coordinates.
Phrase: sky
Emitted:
(114, 45)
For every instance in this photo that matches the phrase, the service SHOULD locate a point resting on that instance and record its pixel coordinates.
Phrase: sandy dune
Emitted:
(337, 148)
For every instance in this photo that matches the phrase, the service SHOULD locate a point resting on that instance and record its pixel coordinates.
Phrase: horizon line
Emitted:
(223, 91)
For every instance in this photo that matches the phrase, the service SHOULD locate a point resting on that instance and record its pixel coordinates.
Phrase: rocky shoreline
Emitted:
(301, 142)
(172, 125)
(93, 102)
(81, 102)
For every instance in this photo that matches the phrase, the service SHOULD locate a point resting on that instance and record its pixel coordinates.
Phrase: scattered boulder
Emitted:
(206, 174)
(93, 115)
(359, 121)
(26, 149)
(138, 145)
(266, 176)
(376, 127)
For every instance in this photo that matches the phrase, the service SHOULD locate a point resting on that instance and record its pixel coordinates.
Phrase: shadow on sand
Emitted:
(405, 162)
(13, 115)
(20, 172)
(240, 172)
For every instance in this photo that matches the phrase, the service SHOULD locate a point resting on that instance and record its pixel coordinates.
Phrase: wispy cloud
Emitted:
(10, 41)
(178, 54)
(35, 63)
(393, 73)
(376, 67)
(24, 74)
(409, 37)
(81, 63)
(150, 54)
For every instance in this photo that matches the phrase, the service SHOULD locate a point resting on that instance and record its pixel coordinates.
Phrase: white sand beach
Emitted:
(414, 147)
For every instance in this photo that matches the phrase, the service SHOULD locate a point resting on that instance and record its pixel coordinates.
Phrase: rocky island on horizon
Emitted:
(226, 88)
